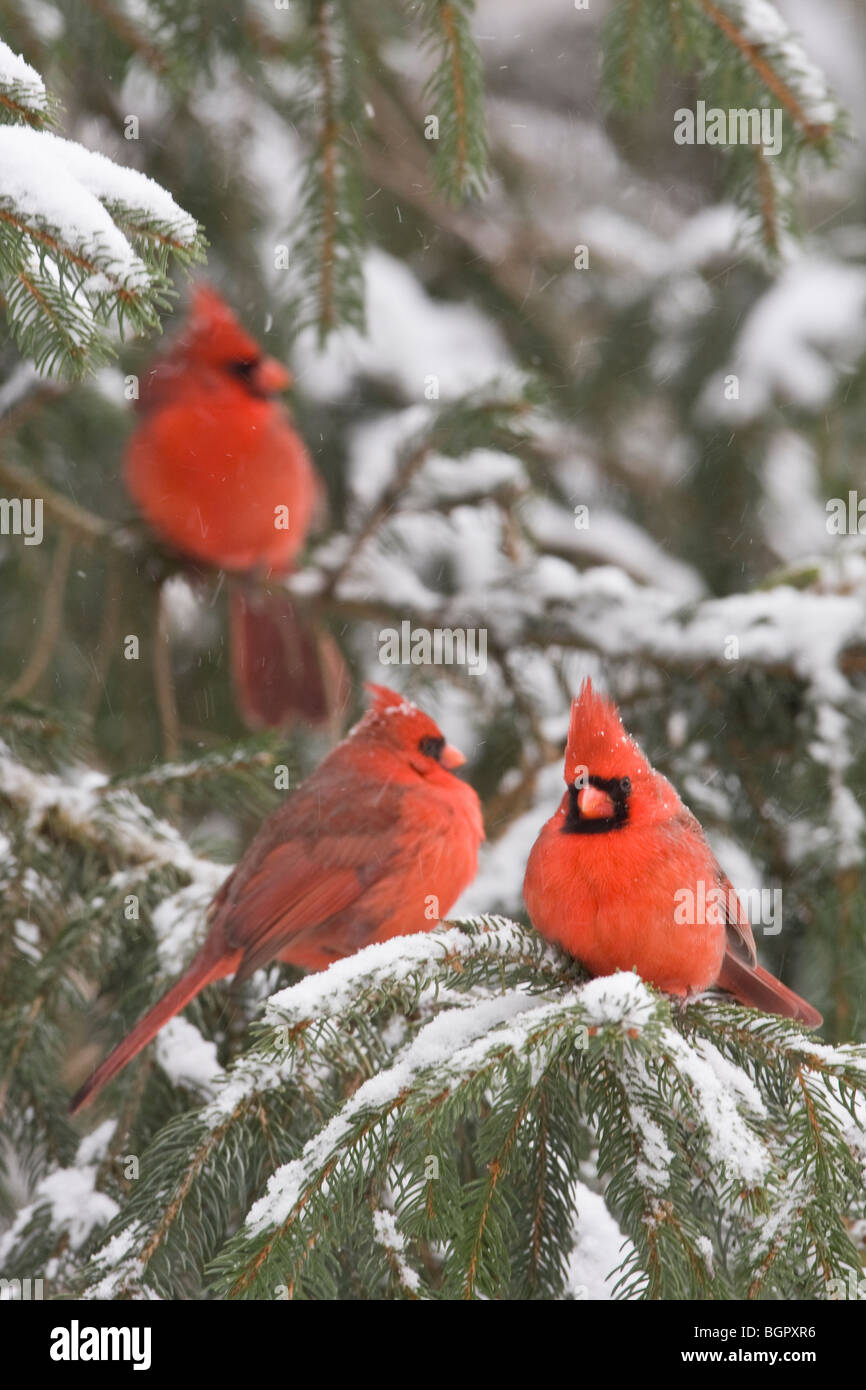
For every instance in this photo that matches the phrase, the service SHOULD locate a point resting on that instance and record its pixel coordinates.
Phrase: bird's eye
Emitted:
(243, 367)
(625, 784)
(431, 747)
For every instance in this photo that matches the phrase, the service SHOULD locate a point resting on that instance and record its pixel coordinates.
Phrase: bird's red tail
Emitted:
(751, 984)
(201, 972)
(283, 669)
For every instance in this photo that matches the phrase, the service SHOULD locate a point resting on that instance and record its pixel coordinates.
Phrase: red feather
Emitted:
(220, 473)
(610, 873)
(379, 842)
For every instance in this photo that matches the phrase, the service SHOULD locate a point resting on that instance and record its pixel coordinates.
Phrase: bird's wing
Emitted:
(740, 941)
(316, 860)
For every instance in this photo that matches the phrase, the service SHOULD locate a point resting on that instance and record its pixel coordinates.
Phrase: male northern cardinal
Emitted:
(378, 842)
(218, 471)
(613, 873)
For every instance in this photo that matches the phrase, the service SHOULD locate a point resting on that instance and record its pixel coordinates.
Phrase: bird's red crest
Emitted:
(207, 307)
(400, 723)
(598, 744)
(213, 331)
(385, 699)
(397, 717)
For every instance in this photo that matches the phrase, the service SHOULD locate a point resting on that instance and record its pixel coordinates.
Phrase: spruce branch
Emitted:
(783, 85)
(455, 91)
(668, 1112)
(483, 1029)
(744, 58)
(327, 155)
(23, 96)
(632, 52)
(85, 245)
(131, 34)
(490, 419)
(328, 235)
(311, 1037)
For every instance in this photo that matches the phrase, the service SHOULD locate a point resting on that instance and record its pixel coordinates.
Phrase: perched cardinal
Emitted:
(378, 842)
(219, 472)
(613, 872)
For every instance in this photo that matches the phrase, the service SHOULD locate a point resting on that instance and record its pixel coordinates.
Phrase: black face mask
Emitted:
(617, 788)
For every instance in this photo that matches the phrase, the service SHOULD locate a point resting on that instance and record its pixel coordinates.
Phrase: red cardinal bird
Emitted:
(612, 873)
(220, 474)
(378, 842)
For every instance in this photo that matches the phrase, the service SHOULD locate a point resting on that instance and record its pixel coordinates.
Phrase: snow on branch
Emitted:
(384, 965)
(481, 1021)
(667, 1106)
(83, 805)
(22, 92)
(748, 65)
(67, 1206)
(84, 243)
(761, 36)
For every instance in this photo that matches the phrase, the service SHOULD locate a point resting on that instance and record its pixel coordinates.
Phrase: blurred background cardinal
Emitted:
(614, 871)
(217, 469)
(379, 842)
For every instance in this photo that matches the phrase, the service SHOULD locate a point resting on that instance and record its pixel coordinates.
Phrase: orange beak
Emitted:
(594, 804)
(451, 757)
(270, 376)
